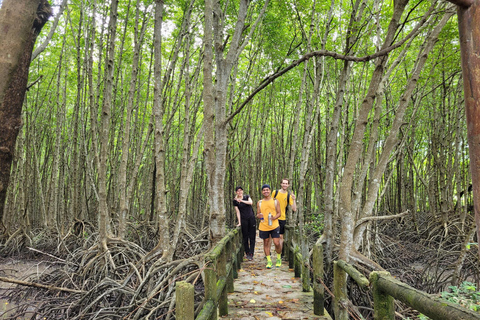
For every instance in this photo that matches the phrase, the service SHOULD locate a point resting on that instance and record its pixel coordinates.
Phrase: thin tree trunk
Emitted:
(158, 110)
(356, 146)
(122, 172)
(393, 137)
(103, 214)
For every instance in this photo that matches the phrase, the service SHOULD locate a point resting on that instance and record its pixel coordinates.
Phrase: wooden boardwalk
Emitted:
(275, 293)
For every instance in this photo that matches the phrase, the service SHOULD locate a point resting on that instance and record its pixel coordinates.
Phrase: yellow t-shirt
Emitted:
(267, 206)
(282, 201)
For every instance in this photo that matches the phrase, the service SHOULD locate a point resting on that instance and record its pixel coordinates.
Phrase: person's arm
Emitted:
(294, 202)
(238, 217)
(259, 213)
(249, 201)
(277, 208)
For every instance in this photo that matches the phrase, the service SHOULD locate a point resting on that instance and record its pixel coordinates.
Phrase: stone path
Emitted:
(275, 293)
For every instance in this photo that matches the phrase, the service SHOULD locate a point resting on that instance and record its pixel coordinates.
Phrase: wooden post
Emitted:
(291, 250)
(234, 256)
(184, 301)
(296, 262)
(211, 283)
(431, 306)
(383, 303)
(286, 244)
(222, 273)
(228, 255)
(318, 290)
(340, 293)
(240, 249)
(305, 269)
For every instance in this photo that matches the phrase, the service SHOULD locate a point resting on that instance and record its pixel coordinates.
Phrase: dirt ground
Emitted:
(18, 269)
(262, 293)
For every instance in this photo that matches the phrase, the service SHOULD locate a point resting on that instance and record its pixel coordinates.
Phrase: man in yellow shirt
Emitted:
(268, 211)
(284, 198)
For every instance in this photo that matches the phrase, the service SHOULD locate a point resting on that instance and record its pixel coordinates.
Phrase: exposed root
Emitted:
(111, 280)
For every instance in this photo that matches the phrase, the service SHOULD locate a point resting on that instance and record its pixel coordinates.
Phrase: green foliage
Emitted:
(315, 223)
(465, 295)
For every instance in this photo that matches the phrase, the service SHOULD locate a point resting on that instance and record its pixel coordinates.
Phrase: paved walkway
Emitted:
(275, 293)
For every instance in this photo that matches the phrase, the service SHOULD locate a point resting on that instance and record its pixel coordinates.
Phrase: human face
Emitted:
(285, 184)
(239, 193)
(266, 192)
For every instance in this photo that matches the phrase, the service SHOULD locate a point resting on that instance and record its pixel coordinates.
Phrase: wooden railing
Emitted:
(223, 262)
(301, 268)
(384, 288)
(221, 267)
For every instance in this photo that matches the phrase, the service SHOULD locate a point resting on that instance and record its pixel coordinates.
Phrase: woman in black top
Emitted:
(246, 219)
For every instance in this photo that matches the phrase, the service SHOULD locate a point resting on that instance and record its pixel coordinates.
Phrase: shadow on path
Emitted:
(262, 293)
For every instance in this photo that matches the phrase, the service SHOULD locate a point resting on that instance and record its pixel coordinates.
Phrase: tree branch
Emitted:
(376, 218)
(322, 53)
(38, 285)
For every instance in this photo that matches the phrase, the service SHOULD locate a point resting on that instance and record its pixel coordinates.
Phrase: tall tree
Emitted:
(20, 25)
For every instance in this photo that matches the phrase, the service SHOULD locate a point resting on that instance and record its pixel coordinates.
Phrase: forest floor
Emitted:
(262, 293)
(19, 268)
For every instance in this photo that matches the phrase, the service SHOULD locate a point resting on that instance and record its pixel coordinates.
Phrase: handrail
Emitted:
(297, 262)
(221, 267)
(385, 288)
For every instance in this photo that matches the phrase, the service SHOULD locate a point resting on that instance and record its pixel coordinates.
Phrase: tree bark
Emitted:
(159, 149)
(103, 212)
(20, 24)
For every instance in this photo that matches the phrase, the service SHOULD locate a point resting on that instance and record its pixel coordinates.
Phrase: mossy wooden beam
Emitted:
(354, 273)
(222, 274)
(222, 263)
(433, 307)
(184, 295)
(210, 287)
(340, 292)
(384, 308)
(209, 311)
(318, 290)
(296, 262)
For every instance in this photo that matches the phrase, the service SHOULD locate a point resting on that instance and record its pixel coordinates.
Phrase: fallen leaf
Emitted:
(280, 301)
(252, 301)
(286, 286)
(255, 282)
(255, 292)
(269, 314)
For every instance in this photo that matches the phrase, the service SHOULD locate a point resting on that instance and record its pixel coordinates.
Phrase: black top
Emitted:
(246, 210)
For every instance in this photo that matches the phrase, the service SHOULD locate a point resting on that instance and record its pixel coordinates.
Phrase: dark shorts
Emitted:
(275, 233)
(282, 225)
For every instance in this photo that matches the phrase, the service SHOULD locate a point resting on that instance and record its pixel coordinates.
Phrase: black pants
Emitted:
(248, 233)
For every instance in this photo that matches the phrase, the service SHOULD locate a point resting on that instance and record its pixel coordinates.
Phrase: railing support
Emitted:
(211, 284)
(318, 290)
(296, 262)
(340, 292)
(383, 303)
(222, 273)
(184, 295)
(434, 308)
(229, 253)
